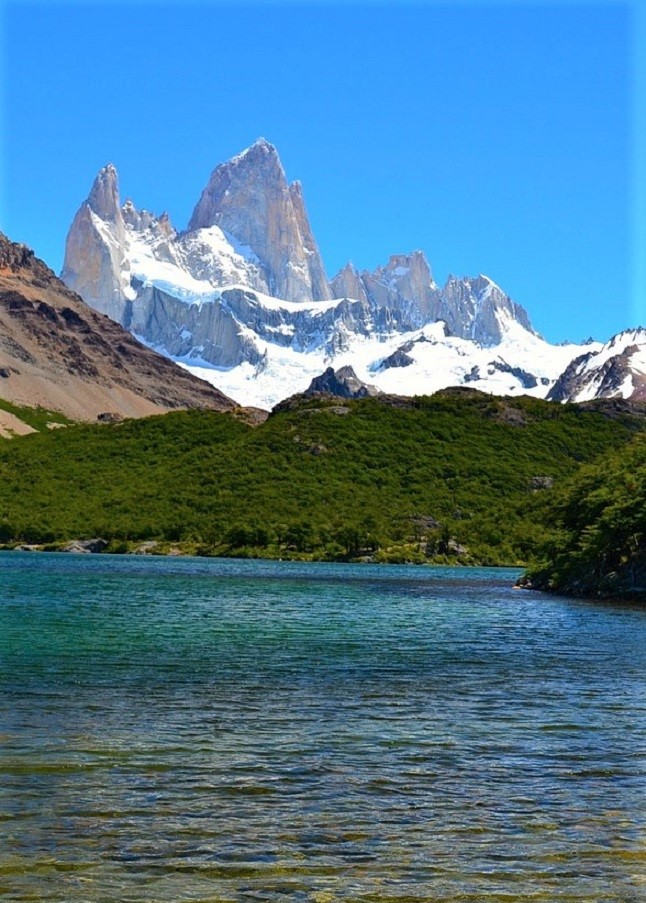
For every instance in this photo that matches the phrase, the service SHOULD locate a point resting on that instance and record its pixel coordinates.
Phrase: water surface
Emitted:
(209, 730)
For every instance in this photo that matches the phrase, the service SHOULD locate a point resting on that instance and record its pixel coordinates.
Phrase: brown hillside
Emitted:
(58, 353)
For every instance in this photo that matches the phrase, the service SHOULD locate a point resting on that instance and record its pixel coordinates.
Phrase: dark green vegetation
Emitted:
(457, 477)
(597, 544)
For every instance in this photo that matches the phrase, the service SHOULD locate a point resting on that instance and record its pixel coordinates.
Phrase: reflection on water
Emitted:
(220, 730)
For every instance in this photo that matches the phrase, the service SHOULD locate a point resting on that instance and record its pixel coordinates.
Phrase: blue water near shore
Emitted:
(210, 730)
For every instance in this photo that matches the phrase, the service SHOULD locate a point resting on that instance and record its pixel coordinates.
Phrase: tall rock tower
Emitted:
(250, 200)
(96, 266)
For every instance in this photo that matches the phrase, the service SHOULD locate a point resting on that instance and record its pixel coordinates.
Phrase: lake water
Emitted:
(203, 730)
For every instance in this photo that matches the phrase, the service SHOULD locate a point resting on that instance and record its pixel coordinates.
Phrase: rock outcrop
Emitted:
(343, 383)
(85, 546)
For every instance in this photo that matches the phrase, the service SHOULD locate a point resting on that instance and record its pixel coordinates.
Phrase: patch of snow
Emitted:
(438, 362)
(314, 308)
(616, 346)
(241, 250)
(590, 371)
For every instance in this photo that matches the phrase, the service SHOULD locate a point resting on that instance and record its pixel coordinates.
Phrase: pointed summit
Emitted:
(260, 147)
(348, 284)
(250, 176)
(97, 270)
(410, 268)
(249, 199)
(342, 383)
(104, 194)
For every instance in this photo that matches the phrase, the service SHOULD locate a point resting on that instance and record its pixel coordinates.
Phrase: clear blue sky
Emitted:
(497, 137)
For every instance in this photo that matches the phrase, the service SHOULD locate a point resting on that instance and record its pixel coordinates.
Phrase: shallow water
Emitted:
(207, 730)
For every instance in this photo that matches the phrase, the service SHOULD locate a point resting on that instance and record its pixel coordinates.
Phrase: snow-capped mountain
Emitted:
(616, 370)
(241, 297)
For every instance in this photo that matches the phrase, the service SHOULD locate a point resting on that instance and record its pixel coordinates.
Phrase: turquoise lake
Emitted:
(211, 730)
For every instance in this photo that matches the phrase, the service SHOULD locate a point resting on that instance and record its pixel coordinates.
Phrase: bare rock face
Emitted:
(249, 198)
(472, 308)
(104, 197)
(343, 383)
(348, 284)
(320, 286)
(212, 326)
(404, 288)
(406, 279)
(96, 265)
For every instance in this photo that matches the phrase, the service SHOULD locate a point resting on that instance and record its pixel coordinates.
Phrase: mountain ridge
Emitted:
(618, 366)
(241, 298)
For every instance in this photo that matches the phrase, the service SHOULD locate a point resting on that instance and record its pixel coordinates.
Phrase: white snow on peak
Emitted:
(489, 280)
(600, 355)
(617, 345)
(147, 268)
(313, 308)
(194, 267)
(438, 361)
(296, 341)
(491, 287)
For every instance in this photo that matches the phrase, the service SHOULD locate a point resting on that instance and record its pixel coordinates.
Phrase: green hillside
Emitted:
(36, 418)
(597, 544)
(459, 476)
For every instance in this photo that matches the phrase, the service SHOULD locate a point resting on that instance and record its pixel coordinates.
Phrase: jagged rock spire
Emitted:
(95, 270)
(249, 198)
(104, 194)
(348, 284)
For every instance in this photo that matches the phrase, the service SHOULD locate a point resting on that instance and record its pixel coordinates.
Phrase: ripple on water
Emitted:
(205, 730)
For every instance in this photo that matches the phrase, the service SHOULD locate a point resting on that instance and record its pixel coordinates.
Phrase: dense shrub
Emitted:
(451, 478)
(597, 520)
